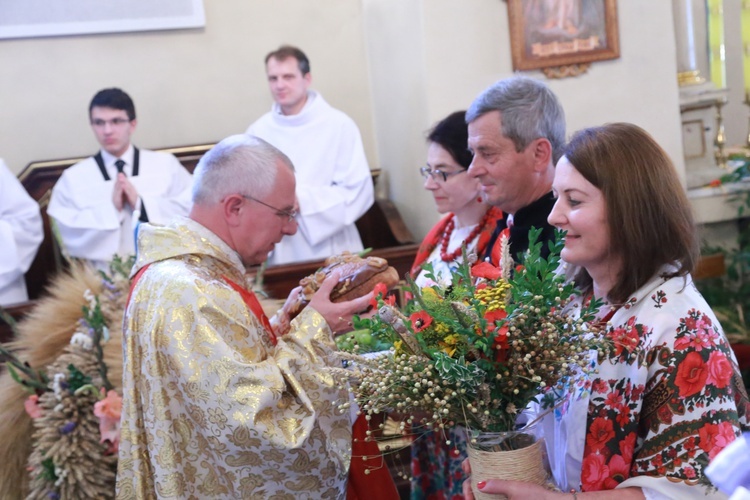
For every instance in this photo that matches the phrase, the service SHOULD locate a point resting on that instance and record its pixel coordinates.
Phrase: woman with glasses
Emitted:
(469, 222)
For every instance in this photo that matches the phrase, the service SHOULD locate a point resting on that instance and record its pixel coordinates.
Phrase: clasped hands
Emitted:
(124, 192)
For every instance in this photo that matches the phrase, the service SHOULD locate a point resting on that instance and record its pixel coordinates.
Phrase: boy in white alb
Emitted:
(98, 202)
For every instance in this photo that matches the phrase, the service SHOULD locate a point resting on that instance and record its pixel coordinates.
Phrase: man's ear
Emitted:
(542, 151)
(231, 206)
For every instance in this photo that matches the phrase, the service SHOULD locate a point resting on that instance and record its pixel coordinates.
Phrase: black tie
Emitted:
(119, 164)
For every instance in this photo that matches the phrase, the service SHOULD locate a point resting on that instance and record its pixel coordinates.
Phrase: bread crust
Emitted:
(358, 277)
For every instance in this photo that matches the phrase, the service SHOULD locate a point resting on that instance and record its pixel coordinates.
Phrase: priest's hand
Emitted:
(281, 321)
(338, 315)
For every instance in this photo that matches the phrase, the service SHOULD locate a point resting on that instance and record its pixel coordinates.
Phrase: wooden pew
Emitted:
(381, 228)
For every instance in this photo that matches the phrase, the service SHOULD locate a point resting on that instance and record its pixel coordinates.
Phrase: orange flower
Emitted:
(108, 410)
(420, 320)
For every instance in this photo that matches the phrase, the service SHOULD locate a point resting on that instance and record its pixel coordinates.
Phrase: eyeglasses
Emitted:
(289, 214)
(115, 122)
(436, 174)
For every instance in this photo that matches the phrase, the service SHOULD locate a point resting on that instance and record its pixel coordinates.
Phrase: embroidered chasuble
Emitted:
(211, 407)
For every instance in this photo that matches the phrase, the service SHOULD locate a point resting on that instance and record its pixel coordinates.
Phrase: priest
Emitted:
(215, 403)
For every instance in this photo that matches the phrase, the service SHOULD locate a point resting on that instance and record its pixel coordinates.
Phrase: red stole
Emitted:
(433, 238)
(252, 303)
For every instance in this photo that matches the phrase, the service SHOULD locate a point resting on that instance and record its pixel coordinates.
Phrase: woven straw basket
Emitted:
(524, 464)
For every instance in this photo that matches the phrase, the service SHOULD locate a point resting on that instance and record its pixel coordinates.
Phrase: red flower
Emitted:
(623, 415)
(420, 320)
(719, 370)
(381, 291)
(594, 472)
(613, 399)
(715, 183)
(600, 432)
(714, 438)
(691, 375)
(600, 386)
(725, 436)
(492, 316)
(485, 270)
(627, 446)
(619, 471)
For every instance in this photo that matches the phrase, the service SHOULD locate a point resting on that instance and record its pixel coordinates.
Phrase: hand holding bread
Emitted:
(356, 277)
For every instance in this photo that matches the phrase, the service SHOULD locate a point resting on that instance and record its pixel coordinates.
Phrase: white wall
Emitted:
(189, 86)
(465, 46)
(395, 66)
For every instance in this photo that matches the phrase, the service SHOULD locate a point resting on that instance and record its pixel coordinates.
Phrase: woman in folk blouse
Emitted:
(669, 397)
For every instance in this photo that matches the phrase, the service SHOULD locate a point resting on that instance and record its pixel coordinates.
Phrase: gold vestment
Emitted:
(211, 408)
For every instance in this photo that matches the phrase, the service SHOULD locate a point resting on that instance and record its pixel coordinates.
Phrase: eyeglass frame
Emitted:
(426, 172)
(290, 214)
(114, 122)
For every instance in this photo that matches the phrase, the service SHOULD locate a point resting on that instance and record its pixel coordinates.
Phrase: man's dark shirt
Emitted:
(534, 215)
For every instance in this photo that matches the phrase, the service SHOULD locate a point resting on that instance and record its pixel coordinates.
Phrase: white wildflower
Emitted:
(90, 297)
(82, 340)
(56, 385)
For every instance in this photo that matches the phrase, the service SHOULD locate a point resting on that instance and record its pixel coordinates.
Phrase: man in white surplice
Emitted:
(334, 185)
(98, 202)
(20, 236)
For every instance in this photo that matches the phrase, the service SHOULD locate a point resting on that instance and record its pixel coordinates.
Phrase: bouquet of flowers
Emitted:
(477, 352)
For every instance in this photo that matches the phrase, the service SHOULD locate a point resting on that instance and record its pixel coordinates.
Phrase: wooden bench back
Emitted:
(381, 227)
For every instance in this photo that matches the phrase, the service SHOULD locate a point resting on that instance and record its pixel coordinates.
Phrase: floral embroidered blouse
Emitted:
(664, 403)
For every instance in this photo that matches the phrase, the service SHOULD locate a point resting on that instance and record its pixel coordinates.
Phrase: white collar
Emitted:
(109, 160)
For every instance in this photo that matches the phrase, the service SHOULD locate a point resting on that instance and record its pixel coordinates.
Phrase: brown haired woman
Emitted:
(669, 396)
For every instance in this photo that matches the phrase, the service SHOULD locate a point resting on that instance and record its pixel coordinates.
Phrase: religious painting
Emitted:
(547, 33)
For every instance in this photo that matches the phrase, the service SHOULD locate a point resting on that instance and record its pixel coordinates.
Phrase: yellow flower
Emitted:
(430, 296)
(397, 345)
(448, 344)
(441, 328)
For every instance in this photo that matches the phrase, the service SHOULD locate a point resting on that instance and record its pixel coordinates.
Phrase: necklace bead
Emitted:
(449, 227)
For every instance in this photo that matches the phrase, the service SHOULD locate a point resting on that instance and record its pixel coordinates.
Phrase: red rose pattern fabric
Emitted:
(668, 398)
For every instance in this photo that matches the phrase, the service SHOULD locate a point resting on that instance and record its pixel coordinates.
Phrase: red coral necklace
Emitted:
(449, 227)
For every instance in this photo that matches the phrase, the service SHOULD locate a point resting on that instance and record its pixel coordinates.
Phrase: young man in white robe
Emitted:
(97, 203)
(334, 184)
(21, 234)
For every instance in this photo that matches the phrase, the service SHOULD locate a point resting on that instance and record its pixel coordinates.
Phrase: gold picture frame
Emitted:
(546, 33)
